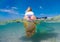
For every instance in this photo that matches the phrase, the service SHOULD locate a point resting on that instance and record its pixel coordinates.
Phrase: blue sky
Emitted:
(12, 9)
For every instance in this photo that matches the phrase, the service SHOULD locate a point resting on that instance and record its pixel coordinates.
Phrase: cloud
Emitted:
(22, 14)
(42, 14)
(41, 7)
(11, 7)
(14, 7)
(10, 11)
(13, 13)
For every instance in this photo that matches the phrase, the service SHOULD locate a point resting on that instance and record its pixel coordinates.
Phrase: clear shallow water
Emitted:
(15, 32)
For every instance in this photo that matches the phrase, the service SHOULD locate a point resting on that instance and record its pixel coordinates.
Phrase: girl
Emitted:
(29, 15)
(30, 26)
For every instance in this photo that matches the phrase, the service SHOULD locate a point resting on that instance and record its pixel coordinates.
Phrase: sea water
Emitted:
(15, 32)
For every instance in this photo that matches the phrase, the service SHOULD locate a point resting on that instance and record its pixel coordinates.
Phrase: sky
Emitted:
(13, 9)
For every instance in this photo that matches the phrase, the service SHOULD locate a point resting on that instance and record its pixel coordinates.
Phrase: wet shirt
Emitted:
(29, 14)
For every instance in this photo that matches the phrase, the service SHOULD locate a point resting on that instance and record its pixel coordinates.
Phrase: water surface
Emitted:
(15, 32)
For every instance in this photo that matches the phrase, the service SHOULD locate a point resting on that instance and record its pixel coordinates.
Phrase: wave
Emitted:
(55, 19)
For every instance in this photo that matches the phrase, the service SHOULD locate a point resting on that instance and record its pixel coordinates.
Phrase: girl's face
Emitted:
(29, 9)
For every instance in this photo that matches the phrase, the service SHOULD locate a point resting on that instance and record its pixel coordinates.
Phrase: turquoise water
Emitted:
(15, 32)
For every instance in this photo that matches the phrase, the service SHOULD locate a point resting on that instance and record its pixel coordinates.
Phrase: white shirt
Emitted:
(29, 13)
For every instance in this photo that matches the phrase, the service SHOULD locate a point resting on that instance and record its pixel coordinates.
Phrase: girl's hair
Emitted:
(28, 9)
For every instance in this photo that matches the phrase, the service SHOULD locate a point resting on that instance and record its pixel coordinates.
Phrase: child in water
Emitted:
(29, 15)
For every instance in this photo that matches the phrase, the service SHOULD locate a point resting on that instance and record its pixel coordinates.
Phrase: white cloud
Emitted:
(14, 7)
(22, 14)
(13, 13)
(10, 11)
(11, 7)
(41, 7)
(42, 14)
